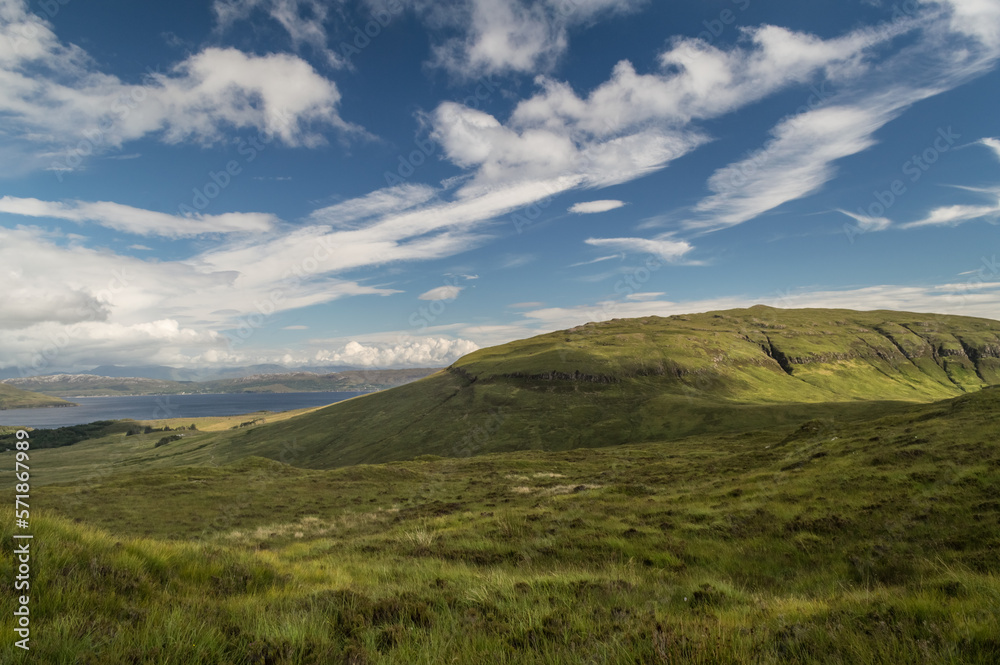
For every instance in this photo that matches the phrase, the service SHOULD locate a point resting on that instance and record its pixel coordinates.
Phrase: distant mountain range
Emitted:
(165, 373)
(84, 385)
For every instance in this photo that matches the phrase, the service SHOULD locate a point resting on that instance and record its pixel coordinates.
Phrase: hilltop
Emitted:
(16, 398)
(647, 379)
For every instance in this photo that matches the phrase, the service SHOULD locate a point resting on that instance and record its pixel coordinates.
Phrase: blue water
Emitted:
(157, 407)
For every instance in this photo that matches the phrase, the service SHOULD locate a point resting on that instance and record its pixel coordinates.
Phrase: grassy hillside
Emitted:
(15, 398)
(648, 379)
(826, 542)
(763, 354)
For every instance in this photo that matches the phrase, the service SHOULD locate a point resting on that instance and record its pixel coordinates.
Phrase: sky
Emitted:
(393, 183)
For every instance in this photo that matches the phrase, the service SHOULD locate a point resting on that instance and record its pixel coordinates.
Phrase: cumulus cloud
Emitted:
(29, 305)
(59, 107)
(51, 346)
(419, 352)
(501, 154)
(441, 293)
(587, 207)
(979, 19)
(53, 271)
(634, 124)
(509, 35)
(137, 220)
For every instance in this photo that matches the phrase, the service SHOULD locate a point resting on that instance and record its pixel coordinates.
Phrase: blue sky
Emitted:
(399, 182)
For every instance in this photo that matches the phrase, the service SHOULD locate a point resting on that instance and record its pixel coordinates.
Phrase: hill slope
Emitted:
(15, 398)
(646, 379)
(831, 542)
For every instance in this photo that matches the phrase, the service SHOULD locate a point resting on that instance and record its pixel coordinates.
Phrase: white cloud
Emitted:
(800, 157)
(302, 20)
(52, 346)
(433, 230)
(635, 124)
(599, 259)
(993, 144)
(380, 202)
(296, 328)
(979, 19)
(502, 155)
(664, 248)
(137, 220)
(868, 224)
(27, 305)
(510, 35)
(417, 352)
(45, 273)
(441, 293)
(587, 207)
(956, 214)
(952, 215)
(973, 298)
(649, 295)
(699, 81)
(555, 141)
(797, 161)
(60, 108)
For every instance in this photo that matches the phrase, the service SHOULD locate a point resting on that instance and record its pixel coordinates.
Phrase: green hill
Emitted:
(648, 379)
(15, 398)
(824, 542)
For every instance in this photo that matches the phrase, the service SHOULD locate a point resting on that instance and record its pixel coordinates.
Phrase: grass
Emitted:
(829, 540)
(749, 486)
(15, 398)
(114, 453)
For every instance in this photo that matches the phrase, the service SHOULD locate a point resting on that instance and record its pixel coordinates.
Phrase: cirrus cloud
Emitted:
(441, 293)
(137, 220)
(589, 207)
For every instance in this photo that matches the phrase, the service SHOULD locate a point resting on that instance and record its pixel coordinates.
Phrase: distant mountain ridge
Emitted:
(181, 374)
(81, 385)
(165, 373)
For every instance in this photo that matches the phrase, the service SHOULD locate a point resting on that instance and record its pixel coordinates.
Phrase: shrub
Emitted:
(168, 439)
